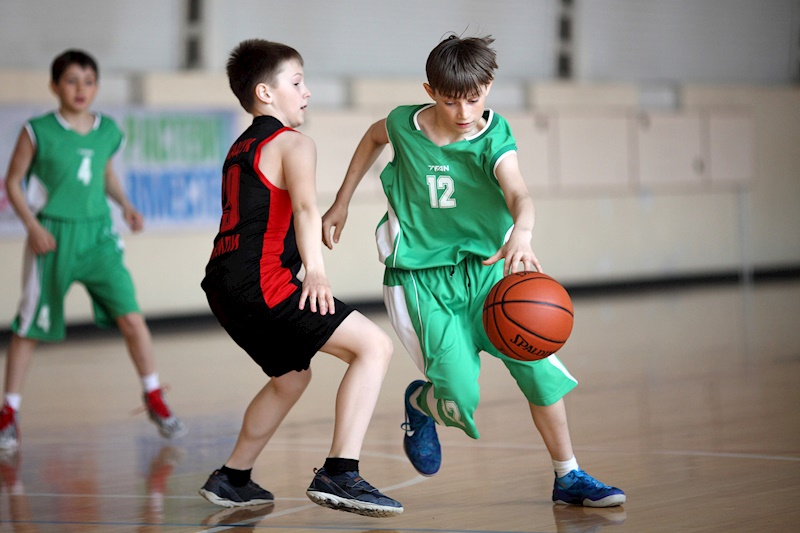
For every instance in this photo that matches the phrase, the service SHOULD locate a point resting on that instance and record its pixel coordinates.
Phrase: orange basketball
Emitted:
(528, 315)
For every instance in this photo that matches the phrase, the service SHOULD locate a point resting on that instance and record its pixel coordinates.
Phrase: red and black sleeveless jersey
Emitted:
(255, 257)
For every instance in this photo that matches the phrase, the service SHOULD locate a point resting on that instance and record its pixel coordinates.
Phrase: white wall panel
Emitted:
(368, 38)
(697, 41)
(534, 145)
(122, 35)
(593, 151)
(731, 148)
(670, 149)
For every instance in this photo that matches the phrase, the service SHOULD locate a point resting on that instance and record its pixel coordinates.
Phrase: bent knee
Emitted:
(376, 345)
(384, 345)
(381, 349)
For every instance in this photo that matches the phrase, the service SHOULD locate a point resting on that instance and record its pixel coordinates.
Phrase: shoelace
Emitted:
(409, 426)
(584, 479)
(362, 484)
(357, 481)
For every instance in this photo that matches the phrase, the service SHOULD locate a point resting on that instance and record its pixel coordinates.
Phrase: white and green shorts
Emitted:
(87, 252)
(437, 314)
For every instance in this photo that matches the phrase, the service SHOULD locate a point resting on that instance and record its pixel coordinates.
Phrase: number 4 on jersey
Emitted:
(85, 170)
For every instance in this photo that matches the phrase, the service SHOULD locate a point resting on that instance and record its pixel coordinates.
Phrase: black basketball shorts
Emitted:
(280, 339)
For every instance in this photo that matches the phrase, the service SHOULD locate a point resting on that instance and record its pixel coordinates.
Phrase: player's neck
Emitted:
(80, 121)
(442, 134)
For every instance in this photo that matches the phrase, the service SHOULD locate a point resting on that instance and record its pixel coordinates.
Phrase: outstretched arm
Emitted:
(40, 240)
(517, 249)
(364, 157)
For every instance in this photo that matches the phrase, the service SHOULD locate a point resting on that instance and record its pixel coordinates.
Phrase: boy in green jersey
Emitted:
(64, 160)
(459, 218)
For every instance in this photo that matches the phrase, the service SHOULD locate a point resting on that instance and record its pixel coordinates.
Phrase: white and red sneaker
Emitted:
(9, 433)
(169, 425)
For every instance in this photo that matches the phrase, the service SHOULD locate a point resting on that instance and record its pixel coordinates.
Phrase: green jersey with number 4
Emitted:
(66, 179)
(444, 201)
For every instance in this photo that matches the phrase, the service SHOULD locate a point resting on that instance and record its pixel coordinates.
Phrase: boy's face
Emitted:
(460, 116)
(76, 88)
(290, 94)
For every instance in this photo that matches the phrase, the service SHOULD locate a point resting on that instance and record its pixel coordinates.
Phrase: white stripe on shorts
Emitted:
(395, 300)
(31, 291)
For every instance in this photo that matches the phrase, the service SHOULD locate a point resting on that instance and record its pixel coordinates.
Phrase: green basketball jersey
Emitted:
(444, 201)
(66, 179)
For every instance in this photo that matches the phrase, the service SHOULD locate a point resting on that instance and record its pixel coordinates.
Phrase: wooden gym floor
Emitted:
(688, 400)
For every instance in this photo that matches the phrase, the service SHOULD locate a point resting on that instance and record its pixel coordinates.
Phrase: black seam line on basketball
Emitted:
(507, 342)
(558, 341)
(548, 304)
(525, 279)
(525, 328)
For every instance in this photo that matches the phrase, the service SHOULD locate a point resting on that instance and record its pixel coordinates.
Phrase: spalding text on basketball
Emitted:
(520, 341)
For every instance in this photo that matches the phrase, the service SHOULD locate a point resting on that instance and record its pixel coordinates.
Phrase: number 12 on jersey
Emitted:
(444, 184)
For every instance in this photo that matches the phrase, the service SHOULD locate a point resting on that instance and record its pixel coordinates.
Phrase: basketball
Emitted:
(528, 315)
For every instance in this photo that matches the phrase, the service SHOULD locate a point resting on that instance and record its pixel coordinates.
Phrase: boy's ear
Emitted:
(429, 90)
(488, 87)
(263, 93)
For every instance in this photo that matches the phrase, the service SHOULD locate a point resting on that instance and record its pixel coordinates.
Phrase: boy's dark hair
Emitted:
(72, 57)
(256, 61)
(459, 68)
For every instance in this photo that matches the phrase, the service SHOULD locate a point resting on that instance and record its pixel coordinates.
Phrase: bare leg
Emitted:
(18, 359)
(551, 421)
(263, 416)
(368, 350)
(139, 342)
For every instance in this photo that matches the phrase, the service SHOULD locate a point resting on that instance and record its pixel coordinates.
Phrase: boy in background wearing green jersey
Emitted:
(460, 217)
(64, 160)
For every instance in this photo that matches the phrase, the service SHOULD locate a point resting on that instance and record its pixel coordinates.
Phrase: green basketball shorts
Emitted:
(88, 252)
(437, 314)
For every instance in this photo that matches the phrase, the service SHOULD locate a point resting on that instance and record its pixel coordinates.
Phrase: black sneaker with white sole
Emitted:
(350, 492)
(219, 491)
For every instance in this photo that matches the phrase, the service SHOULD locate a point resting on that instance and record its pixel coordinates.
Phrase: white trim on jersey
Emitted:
(497, 163)
(388, 236)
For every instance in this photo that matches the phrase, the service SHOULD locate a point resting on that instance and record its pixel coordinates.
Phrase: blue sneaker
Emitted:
(421, 443)
(350, 492)
(579, 488)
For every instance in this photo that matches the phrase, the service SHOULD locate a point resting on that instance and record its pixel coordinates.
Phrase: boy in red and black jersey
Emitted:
(270, 228)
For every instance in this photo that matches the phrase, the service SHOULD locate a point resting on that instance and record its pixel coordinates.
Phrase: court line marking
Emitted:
(598, 449)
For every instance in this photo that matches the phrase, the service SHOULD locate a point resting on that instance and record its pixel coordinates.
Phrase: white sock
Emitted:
(565, 467)
(150, 382)
(14, 400)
